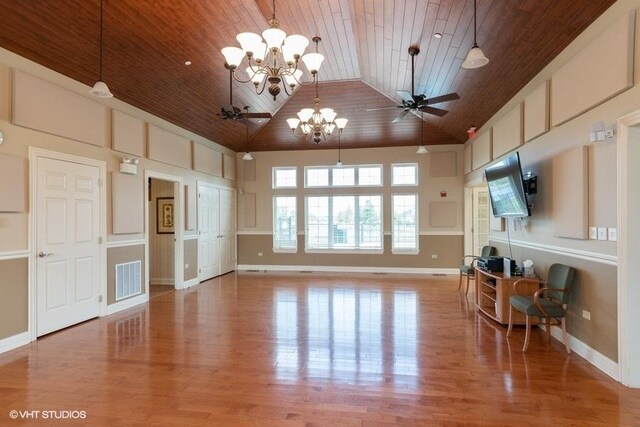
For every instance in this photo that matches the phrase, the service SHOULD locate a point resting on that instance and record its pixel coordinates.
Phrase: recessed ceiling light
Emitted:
(437, 35)
(187, 62)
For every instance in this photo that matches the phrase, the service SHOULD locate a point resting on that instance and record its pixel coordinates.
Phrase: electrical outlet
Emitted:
(602, 233)
(434, 256)
(586, 314)
(612, 234)
(593, 233)
(186, 266)
(260, 254)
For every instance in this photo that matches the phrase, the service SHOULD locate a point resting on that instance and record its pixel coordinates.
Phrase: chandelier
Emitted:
(272, 58)
(316, 123)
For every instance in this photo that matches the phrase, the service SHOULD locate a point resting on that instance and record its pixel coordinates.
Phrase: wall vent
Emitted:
(128, 279)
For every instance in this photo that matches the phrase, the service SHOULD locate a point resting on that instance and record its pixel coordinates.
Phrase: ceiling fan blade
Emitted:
(406, 96)
(433, 110)
(257, 115)
(384, 108)
(401, 116)
(442, 98)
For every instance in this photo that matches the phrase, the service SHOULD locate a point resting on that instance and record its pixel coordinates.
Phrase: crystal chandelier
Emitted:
(317, 123)
(273, 59)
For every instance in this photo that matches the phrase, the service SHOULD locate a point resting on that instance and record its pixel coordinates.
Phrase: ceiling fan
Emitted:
(415, 103)
(230, 112)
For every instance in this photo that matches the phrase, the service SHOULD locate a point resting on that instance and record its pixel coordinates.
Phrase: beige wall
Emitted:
(190, 259)
(67, 135)
(448, 250)
(120, 255)
(595, 288)
(13, 297)
(428, 191)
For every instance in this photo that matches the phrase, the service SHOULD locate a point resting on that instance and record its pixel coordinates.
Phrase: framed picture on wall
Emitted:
(164, 215)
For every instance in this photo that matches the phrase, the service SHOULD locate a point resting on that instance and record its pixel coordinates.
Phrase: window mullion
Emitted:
(356, 220)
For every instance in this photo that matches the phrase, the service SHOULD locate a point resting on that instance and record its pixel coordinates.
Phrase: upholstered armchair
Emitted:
(467, 265)
(549, 302)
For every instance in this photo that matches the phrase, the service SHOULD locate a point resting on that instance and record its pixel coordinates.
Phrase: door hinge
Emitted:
(99, 240)
(99, 182)
(199, 270)
(100, 298)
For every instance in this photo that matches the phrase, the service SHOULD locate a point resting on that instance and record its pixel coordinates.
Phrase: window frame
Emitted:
(405, 251)
(332, 250)
(283, 249)
(415, 166)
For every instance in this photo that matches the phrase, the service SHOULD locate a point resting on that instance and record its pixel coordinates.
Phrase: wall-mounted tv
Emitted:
(506, 188)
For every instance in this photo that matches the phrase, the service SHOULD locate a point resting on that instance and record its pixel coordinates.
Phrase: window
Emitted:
(405, 223)
(284, 224)
(344, 222)
(284, 177)
(370, 175)
(404, 174)
(340, 176)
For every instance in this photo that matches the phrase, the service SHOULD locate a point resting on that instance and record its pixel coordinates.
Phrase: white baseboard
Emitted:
(348, 269)
(162, 281)
(592, 356)
(190, 283)
(128, 303)
(14, 341)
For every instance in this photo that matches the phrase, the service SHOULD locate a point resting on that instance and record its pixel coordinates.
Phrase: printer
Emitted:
(494, 263)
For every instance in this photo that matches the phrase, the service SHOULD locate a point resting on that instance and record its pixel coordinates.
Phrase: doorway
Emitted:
(164, 224)
(477, 219)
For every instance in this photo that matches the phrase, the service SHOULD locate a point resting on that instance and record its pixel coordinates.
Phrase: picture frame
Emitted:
(164, 215)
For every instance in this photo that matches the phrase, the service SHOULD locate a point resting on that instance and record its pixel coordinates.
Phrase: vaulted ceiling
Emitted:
(365, 42)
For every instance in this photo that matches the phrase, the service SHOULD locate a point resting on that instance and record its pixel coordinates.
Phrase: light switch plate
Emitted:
(602, 233)
(612, 234)
(593, 233)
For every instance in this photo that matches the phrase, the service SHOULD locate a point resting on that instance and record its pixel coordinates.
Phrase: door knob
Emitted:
(43, 254)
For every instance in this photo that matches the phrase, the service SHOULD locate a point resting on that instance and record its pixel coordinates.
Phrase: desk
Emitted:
(492, 295)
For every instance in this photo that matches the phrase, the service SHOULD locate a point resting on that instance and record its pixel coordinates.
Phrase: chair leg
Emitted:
(527, 334)
(510, 328)
(548, 320)
(460, 282)
(467, 290)
(564, 335)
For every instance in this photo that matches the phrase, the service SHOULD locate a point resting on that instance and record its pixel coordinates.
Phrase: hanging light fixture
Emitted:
(476, 57)
(339, 163)
(273, 58)
(422, 149)
(247, 154)
(316, 123)
(100, 89)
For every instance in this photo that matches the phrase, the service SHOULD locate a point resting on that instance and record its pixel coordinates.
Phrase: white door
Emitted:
(208, 233)
(68, 251)
(227, 231)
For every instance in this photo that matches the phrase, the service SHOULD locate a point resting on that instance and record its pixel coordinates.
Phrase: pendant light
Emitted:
(476, 57)
(100, 89)
(247, 155)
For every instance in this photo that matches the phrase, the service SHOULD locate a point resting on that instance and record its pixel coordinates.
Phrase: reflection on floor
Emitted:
(259, 349)
(157, 290)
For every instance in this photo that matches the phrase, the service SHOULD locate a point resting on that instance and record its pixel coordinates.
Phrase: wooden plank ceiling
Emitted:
(365, 45)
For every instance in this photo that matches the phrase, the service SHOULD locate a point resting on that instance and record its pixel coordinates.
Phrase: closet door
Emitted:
(227, 231)
(208, 232)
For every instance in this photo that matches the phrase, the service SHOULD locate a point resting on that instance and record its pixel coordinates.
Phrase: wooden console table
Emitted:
(492, 295)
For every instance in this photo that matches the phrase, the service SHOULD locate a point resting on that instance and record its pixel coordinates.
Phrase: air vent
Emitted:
(438, 274)
(128, 279)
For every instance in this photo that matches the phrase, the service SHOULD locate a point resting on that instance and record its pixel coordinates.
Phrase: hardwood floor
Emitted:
(307, 350)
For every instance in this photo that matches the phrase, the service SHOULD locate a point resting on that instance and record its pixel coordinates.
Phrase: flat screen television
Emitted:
(506, 188)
